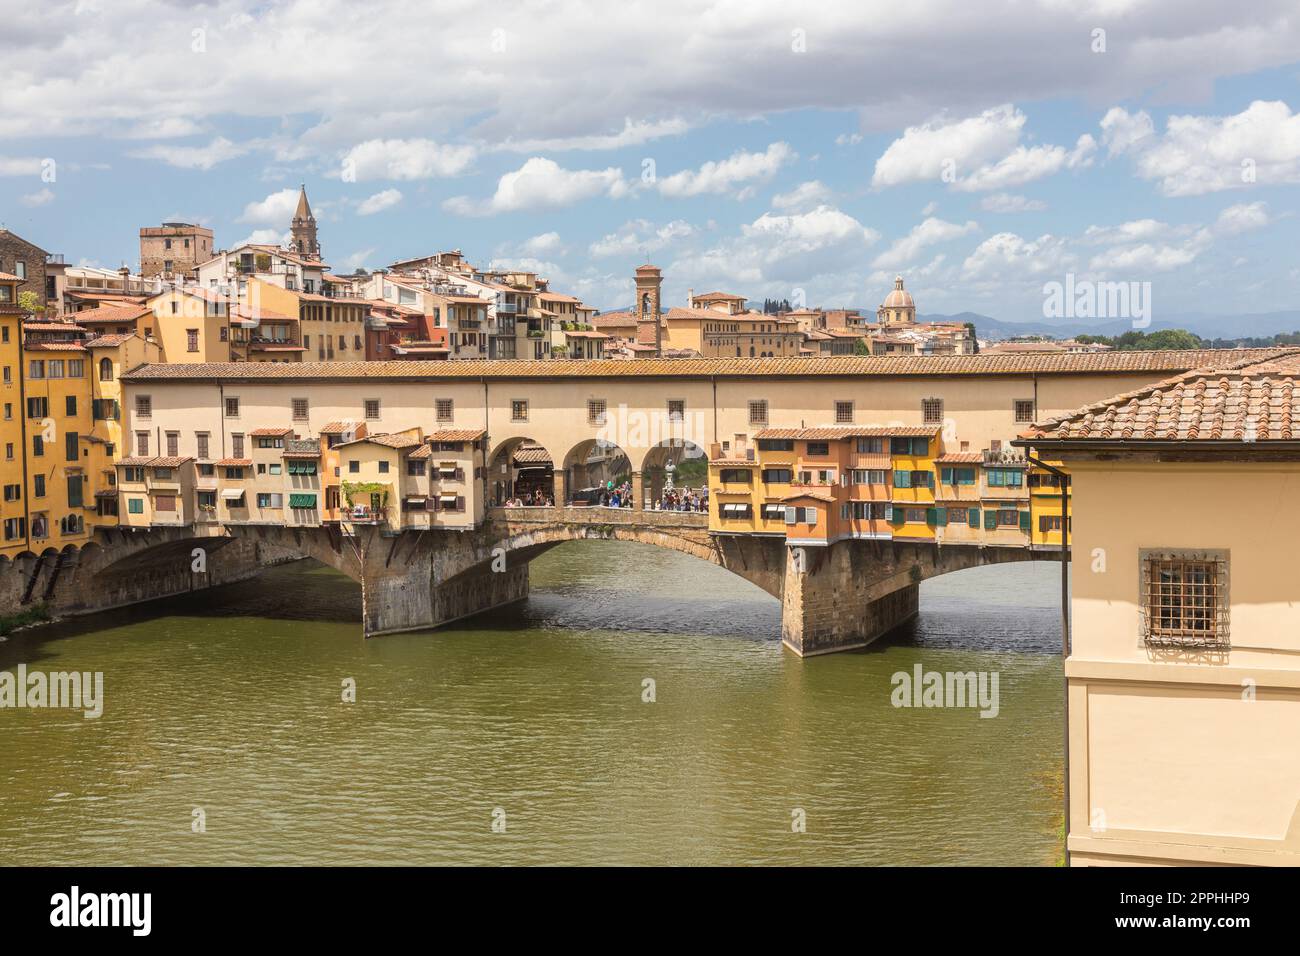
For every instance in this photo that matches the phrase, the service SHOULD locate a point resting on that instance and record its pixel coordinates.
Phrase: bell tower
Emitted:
(303, 228)
(648, 281)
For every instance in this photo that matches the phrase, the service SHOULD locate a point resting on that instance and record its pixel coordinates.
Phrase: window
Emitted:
(354, 467)
(201, 440)
(1184, 599)
(958, 515)
(135, 506)
(143, 406)
(415, 469)
(1049, 523)
(13, 492)
(1005, 477)
(106, 370)
(76, 368)
(270, 500)
(734, 509)
(519, 410)
(776, 444)
(932, 411)
(383, 467)
(676, 409)
(70, 405)
(232, 407)
(444, 409)
(236, 445)
(372, 409)
(54, 368)
(235, 472)
(914, 515)
(870, 446)
(142, 443)
(1024, 410)
(191, 340)
(870, 510)
(914, 447)
(173, 444)
(164, 503)
(758, 412)
(20, 269)
(806, 516)
(869, 476)
(735, 476)
(300, 409)
(776, 476)
(38, 486)
(844, 413)
(818, 448)
(36, 369)
(38, 408)
(15, 528)
(1008, 517)
(595, 411)
(70, 450)
(957, 476)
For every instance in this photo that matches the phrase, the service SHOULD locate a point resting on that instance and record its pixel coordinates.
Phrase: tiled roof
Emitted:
(53, 326)
(457, 434)
(531, 454)
(734, 462)
(960, 458)
(53, 347)
(108, 341)
(270, 432)
(111, 314)
(829, 432)
(1172, 360)
(235, 463)
(173, 461)
(421, 453)
(389, 441)
(1250, 402)
(6, 277)
(338, 428)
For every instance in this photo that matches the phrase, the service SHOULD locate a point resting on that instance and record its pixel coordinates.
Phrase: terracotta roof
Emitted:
(457, 434)
(1173, 360)
(421, 453)
(718, 297)
(960, 458)
(734, 462)
(1249, 402)
(809, 493)
(235, 463)
(828, 432)
(338, 428)
(6, 277)
(53, 326)
(270, 432)
(531, 454)
(389, 441)
(54, 347)
(111, 313)
(134, 461)
(108, 341)
(173, 461)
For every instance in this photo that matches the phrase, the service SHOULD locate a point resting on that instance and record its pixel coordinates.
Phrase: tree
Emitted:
(860, 347)
(30, 303)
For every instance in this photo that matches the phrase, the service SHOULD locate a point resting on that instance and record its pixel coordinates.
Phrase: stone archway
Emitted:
(597, 471)
(677, 463)
(522, 469)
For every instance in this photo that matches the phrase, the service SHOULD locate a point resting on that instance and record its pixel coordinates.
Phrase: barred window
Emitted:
(519, 410)
(596, 411)
(300, 409)
(676, 409)
(143, 406)
(445, 409)
(1185, 599)
(1024, 410)
(758, 412)
(372, 409)
(844, 413)
(932, 411)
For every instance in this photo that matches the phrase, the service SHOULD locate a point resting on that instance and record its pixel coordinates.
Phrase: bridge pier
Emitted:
(844, 596)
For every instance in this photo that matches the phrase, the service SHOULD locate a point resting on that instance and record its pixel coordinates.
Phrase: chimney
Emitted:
(690, 298)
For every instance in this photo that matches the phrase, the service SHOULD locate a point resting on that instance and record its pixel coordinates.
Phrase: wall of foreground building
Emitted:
(1184, 755)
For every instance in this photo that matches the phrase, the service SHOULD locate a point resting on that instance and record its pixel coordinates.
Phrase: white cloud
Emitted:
(1148, 257)
(1008, 203)
(803, 197)
(1204, 154)
(1243, 217)
(640, 236)
(357, 259)
(1008, 257)
(277, 208)
(632, 134)
(220, 150)
(379, 202)
(725, 175)
(406, 159)
(848, 139)
(975, 154)
(20, 166)
(542, 184)
(908, 249)
(930, 208)
(545, 244)
(39, 198)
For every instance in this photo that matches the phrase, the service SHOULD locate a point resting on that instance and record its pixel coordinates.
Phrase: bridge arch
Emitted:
(679, 458)
(593, 466)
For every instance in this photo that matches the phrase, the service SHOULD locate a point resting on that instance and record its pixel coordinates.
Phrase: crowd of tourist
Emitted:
(536, 499)
(684, 499)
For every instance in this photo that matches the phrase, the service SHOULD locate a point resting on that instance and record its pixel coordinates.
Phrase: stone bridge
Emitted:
(832, 598)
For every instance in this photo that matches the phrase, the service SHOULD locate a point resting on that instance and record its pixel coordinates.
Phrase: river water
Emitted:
(226, 707)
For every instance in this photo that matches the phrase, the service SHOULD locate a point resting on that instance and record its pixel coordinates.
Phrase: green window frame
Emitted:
(135, 506)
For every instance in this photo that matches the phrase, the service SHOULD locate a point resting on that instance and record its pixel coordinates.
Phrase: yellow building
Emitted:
(912, 458)
(1045, 504)
(298, 326)
(13, 506)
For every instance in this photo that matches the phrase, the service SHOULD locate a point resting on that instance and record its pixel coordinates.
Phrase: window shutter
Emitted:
(990, 519)
(460, 502)
(436, 502)
(791, 515)
(902, 479)
(945, 475)
(898, 516)
(1024, 521)
(460, 474)
(941, 516)
(932, 516)
(973, 517)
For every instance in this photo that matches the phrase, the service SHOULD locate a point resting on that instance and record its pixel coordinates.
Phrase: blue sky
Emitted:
(740, 146)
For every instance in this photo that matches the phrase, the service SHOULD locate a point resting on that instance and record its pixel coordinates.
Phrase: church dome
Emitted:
(900, 298)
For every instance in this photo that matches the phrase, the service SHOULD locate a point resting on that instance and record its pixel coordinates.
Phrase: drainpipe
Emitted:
(1065, 622)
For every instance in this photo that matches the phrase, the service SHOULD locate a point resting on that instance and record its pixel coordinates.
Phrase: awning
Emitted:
(230, 494)
(416, 499)
(302, 501)
(447, 499)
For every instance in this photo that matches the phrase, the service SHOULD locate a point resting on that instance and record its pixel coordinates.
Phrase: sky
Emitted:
(801, 152)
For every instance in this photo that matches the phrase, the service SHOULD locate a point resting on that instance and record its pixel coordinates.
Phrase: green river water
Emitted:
(230, 702)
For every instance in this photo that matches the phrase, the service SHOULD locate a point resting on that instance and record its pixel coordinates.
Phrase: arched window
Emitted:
(106, 369)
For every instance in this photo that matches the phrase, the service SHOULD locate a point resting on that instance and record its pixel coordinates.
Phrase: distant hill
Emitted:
(1205, 324)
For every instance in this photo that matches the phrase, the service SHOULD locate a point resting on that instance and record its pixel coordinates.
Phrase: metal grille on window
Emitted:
(1184, 601)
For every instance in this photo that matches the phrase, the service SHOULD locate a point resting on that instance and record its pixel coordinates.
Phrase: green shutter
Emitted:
(990, 519)
(945, 475)
(1024, 521)
(973, 517)
(902, 479)
(302, 501)
(898, 516)
(941, 517)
